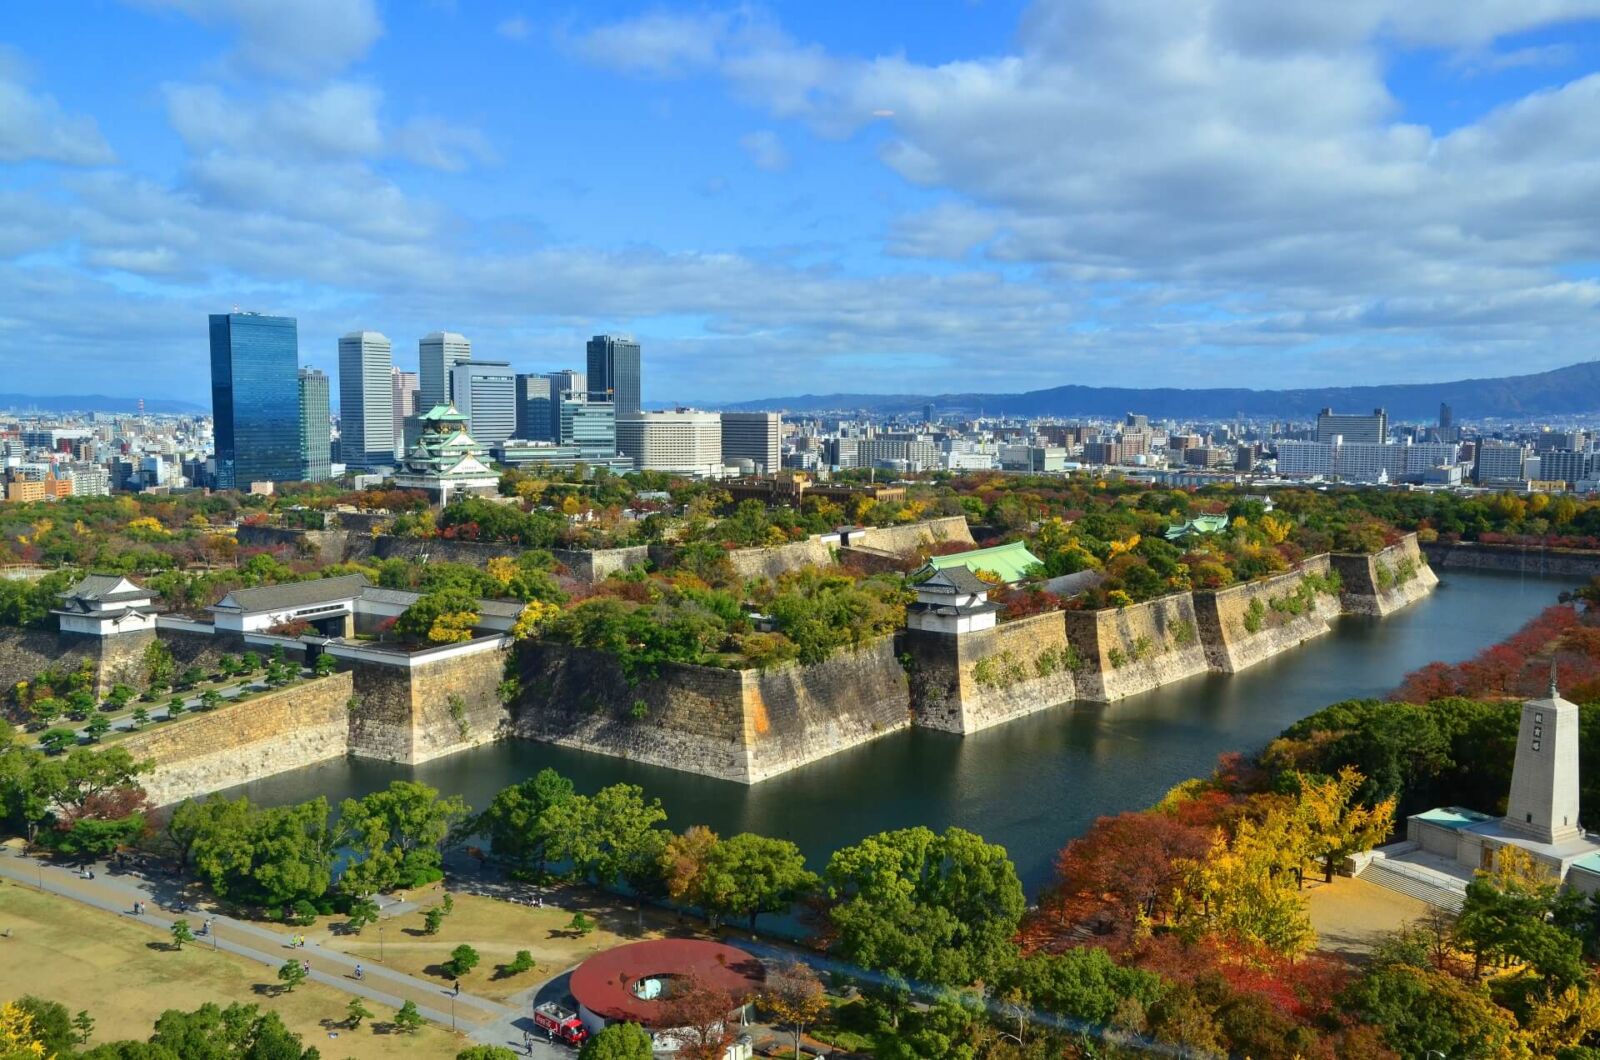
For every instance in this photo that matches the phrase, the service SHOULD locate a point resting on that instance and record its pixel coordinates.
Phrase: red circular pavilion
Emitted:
(631, 983)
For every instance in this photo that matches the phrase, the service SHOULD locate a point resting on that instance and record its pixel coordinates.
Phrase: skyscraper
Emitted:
(486, 393)
(366, 400)
(591, 426)
(437, 353)
(614, 372)
(314, 426)
(536, 398)
(566, 380)
(753, 436)
(255, 398)
(403, 399)
(1352, 428)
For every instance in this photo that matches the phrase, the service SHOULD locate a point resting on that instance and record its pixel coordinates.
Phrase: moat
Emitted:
(1030, 784)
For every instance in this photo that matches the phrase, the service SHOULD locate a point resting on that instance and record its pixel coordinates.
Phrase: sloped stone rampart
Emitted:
(319, 546)
(1516, 559)
(24, 654)
(596, 565)
(406, 715)
(912, 536)
(969, 682)
(777, 561)
(237, 743)
(738, 725)
(1386, 581)
(1225, 617)
(1136, 648)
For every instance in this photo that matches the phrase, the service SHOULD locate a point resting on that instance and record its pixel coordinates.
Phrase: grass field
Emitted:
(124, 976)
(497, 930)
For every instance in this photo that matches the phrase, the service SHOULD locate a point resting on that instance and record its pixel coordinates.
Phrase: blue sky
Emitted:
(804, 197)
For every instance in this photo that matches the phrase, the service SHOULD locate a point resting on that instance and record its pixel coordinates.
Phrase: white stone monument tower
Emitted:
(1544, 780)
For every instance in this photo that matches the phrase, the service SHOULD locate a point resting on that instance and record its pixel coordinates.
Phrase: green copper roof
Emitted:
(446, 413)
(1012, 561)
(1452, 817)
(1200, 524)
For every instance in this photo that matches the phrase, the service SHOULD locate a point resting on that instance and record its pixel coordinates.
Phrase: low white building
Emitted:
(103, 604)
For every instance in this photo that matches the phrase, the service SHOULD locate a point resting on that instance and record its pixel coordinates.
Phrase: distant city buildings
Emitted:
(486, 394)
(437, 353)
(403, 403)
(536, 397)
(1373, 429)
(614, 373)
(366, 400)
(255, 399)
(683, 442)
(315, 463)
(753, 436)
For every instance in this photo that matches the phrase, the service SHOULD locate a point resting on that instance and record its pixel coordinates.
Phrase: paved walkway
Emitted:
(482, 1018)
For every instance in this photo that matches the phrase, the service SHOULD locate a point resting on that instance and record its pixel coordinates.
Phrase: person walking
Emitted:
(358, 971)
(457, 991)
(305, 965)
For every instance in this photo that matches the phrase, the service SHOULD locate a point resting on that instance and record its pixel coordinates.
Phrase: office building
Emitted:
(519, 453)
(486, 394)
(437, 353)
(315, 421)
(1373, 429)
(566, 381)
(589, 426)
(255, 399)
(1364, 462)
(1564, 465)
(366, 400)
(403, 400)
(915, 452)
(536, 408)
(614, 373)
(1500, 463)
(683, 442)
(753, 436)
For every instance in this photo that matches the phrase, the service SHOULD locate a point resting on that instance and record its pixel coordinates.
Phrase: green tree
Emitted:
(933, 908)
(98, 726)
(53, 1026)
(1508, 914)
(397, 835)
(363, 911)
(580, 924)
(141, 717)
(325, 664)
(432, 920)
(486, 1052)
(214, 1033)
(618, 1041)
(83, 1024)
(408, 1020)
(355, 1012)
(291, 975)
(56, 741)
(180, 933)
(604, 835)
(159, 665)
(268, 856)
(433, 616)
(1421, 1010)
(750, 874)
(462, 960)
(514, 821)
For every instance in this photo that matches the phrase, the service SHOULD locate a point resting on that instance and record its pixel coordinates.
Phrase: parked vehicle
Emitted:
(561, 1022)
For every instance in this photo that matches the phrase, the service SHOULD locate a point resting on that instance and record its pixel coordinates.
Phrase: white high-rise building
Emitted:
(486, 394)
(753, 436)
(437, 353)
(366, 400)
(683, 442)
(403, 396)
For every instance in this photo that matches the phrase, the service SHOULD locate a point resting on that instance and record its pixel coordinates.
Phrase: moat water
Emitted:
(1030, 785)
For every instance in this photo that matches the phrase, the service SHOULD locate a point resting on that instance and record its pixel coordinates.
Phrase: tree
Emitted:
(210, 699)
(56, 741)
(486, 1052)
(934, 908)
(683, 867)
(325, 665)
(355, 1012)
(268, 856)
(98, 726)
(514, 821)
(141, 717)
(602, 836)
(363, 911)
(396, 835)
(795, 998)
(580, 924)
(83, 1024)
(1507, 914)
(698, 1013)
(407, 1019)
(432, 920)
(1421, 1010)
(291, 975)
(441, 616)
(181, 933)
(1124, 870)
(53, 1026)
(215, 1033)
(619, 1041)
(159, 665)
(1337, 825)
(462, 960)
(1244, 890)
(752, 874)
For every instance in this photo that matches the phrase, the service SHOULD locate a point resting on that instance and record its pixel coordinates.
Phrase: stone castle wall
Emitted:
(912, 536)
(743, 726)
(1136, 648)
(24, 654)
(319, 546)
(596, 565)
(1516, 559)
(238, 743)
(1386, 581)
(969, 682)
(1225, 618)
(406, 715)
(780, 560)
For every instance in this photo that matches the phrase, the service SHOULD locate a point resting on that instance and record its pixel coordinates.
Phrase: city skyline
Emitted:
(805, 196)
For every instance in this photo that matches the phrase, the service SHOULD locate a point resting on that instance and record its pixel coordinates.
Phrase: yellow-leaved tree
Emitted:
(1244, 890)
(536, 615)
(1561, 1020)
(1336, 824)
(17, 1037)
(452, 627)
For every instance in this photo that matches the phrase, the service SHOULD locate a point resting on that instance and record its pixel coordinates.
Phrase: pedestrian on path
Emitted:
(306, 965)
(358, 971)
(457, 991)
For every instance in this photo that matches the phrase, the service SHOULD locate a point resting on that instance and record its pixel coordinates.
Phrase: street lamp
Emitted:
(380, 943)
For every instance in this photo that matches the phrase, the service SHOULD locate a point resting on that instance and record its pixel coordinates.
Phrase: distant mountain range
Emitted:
(1562, 391)
(95, 403)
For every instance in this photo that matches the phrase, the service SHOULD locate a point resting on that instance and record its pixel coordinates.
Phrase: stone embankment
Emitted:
(1246, 624)
(738, 725)
(1386, 581)
(967, 683)
(1514, 559)
(240, 742)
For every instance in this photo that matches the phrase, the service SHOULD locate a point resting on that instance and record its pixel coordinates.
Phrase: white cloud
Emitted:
(442, 145)
(296, 39)
(660, 44)
(766, 150)
(33, 125)
(339, 119)
(514, 28)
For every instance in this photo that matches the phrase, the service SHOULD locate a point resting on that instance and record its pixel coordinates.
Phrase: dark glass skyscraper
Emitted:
(255, 398)
(614, 372)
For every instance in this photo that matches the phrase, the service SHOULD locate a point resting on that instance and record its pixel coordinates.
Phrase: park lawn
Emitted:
(497, 930)
(89, 959)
